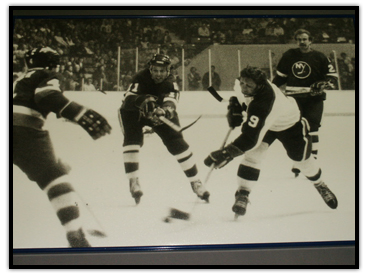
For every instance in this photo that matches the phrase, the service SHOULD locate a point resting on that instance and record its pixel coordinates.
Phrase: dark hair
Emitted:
(254, 73)
(303, 31)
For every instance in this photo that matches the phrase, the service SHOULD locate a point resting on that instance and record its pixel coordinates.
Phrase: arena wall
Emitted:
(192, 104)
(225, 58)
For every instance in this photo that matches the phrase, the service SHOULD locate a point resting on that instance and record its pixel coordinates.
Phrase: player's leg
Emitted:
(313, 114)
(179, 148)
(133, 140)
(248, 174)
(298, 145)
(34, 155)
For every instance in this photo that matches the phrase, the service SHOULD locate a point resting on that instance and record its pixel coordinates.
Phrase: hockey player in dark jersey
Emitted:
(37, 94)
(152, 97)
(306, 73)
(270, 115)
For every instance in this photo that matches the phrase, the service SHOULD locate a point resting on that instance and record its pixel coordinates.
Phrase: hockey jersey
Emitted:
(36, 84)
(143, 84)
(35, 95)
(268, 110)
(300, 70)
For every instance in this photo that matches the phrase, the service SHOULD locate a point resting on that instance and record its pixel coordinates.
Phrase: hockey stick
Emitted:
(215, 94)
(178, 214)
(175, 126)
(304, 90)
(222, 146)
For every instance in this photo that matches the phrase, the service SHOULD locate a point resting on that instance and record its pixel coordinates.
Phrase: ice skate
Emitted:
(295, 171)
(326, 194)
(241, 202)
(201, 191)
(135, 190)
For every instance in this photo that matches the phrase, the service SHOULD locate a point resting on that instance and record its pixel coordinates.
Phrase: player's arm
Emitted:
(279, 79)
(48, 96)
(330, 79)
(171, 101)
(281, 70)
(253, 131)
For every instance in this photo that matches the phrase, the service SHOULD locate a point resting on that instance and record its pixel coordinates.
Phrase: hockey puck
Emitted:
(167, 219)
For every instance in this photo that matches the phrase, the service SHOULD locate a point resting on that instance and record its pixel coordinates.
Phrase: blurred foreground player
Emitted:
(37, 94)
(270, 115)
(306, 73)
(152, 95)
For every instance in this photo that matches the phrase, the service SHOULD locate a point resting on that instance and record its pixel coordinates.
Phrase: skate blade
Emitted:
(205, 197)
(137, 197)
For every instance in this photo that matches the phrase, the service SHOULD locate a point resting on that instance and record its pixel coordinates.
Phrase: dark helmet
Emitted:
(44, 57)
(160, 60)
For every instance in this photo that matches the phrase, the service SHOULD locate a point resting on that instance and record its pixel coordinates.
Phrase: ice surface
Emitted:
(282, 209)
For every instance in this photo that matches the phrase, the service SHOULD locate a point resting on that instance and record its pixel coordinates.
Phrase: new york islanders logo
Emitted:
(301, 69)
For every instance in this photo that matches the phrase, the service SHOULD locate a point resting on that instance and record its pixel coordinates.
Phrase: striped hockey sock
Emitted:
(131, 160)
(67, 205)
(188, 165)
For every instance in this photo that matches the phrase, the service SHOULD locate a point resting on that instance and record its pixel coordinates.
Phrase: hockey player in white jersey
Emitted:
(270, 115)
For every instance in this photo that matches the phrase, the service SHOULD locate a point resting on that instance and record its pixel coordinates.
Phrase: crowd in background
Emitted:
(89, 47)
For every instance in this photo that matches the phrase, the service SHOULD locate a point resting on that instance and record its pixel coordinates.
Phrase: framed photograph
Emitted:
(226, 136)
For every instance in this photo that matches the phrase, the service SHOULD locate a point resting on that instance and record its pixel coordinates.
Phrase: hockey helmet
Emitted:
(160, 60)
(44, 57)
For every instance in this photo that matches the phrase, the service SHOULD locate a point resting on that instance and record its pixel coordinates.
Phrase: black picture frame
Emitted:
(342, 254)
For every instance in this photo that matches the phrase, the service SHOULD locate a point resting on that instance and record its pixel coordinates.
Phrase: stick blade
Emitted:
(215, 94)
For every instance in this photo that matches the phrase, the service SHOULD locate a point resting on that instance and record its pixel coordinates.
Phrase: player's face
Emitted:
(248, 86)
(303, 42)
(158, 73)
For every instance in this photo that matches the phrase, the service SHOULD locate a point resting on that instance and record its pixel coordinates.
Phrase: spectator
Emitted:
(145, 44)
(106, 26)
(70, 81)
(203, 30)
(193, 79)
(78, 76)
(158, 37)
(89, 85)
(215, 79)
(229, 36)
(127, 79)
(174, 77)
(219, 37)
(279, 33)
(270, 30)
(167, 38)
(100, 76)
(347, 72)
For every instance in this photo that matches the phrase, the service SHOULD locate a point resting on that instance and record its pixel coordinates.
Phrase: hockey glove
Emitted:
(234, 114)
(91, 121)
(318, 88)
(146, 105)
(169, 108)
(221, 157)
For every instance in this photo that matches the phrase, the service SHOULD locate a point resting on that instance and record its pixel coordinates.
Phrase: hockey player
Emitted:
(270, 115)
(151, 96)
(306, 73)
(37, 94)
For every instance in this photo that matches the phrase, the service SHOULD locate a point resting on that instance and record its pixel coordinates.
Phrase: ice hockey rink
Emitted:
(283, 209)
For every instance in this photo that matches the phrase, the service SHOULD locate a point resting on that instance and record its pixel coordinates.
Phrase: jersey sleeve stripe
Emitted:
(281, 74)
